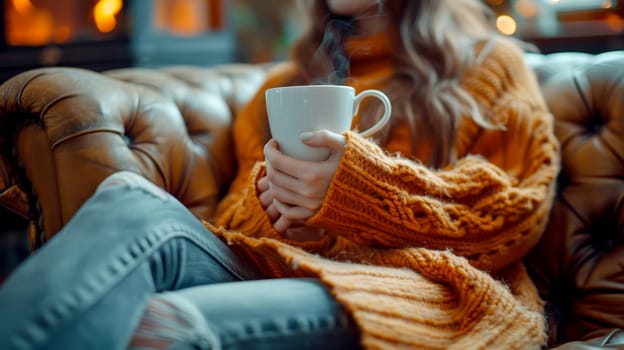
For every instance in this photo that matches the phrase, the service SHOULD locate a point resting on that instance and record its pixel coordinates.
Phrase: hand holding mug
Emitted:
(306, 124)
(298, 187)
(289, 229)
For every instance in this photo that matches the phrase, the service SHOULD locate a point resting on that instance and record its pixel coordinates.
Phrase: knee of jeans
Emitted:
(184, 262)
(131, 180)
(173, 322)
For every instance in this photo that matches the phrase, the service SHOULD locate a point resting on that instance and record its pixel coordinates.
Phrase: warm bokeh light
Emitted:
(506, 24)
(104, 13)
(183, 17)
(28, 25)
(615, 22)
(607, 4)
(527, 8)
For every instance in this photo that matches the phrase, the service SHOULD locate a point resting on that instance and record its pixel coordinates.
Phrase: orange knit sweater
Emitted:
(422, 258)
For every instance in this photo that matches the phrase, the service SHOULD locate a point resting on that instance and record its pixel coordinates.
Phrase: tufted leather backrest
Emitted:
(579, 264)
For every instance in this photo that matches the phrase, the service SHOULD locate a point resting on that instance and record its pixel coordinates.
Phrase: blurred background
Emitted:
(107, 34)
(103, 34)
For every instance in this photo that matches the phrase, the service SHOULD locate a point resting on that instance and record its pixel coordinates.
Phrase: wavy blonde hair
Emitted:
(433, 46)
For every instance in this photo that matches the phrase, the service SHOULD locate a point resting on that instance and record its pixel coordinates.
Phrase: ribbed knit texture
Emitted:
(422, 258)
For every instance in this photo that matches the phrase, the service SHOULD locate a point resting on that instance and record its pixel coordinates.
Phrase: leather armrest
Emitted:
(66, 129)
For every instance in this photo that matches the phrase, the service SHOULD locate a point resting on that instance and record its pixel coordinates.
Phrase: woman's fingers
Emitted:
(302, 185)
(274, 176)
(266, 198)
(293, 199)
(272, 212)
(304, 233)
(297, 231)
(325, 138)
(272, 193)
(310, 180)
(292, 213)
(281, 224)
(263, 184)
(284, 164)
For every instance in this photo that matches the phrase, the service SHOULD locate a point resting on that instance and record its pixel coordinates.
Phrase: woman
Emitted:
(413, 239)
(444, 204)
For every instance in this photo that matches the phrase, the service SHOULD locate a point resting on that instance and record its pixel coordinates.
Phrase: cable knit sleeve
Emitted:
(490, 206)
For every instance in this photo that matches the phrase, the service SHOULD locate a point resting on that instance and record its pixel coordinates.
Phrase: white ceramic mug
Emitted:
(296, 109)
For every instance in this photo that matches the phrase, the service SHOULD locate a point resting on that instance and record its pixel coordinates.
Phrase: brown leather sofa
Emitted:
(63, 130)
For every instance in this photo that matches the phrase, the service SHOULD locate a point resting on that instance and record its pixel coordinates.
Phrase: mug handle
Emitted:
(384, 118)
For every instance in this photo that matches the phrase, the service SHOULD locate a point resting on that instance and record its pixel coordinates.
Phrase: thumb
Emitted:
(324, 138)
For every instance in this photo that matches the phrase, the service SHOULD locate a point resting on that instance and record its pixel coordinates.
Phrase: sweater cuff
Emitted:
(355, 191)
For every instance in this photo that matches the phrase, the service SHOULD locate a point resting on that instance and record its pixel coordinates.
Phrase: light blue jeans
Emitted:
(131, 243)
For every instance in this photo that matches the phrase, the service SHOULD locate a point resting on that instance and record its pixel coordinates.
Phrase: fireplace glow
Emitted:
(23, 7)
(44, 22)
(28, 25)
(109, 34)
(104, 13)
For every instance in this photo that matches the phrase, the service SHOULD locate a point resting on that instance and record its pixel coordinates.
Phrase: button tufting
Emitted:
(563, 180)
(127, 139)
(594, 125)
(603, 235)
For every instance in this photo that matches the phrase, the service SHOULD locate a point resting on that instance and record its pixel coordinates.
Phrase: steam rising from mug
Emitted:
(330, 53)
(296, 109)
(331, 43)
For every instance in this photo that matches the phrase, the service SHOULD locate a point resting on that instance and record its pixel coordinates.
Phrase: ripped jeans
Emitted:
(88, 287)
